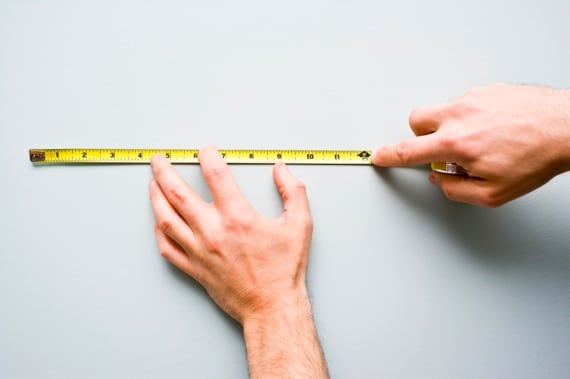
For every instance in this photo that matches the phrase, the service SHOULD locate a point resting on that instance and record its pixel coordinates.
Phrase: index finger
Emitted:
(413, 151)
(224, 189)
(179, 194)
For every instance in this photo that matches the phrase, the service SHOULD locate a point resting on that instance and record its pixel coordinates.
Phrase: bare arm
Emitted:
(284, 344)
(252, 266)
(511, 139)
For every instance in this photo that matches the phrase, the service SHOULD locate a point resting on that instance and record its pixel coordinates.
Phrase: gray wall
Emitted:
(404, 283)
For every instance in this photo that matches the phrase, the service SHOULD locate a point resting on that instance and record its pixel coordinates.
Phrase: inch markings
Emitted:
(235, 156)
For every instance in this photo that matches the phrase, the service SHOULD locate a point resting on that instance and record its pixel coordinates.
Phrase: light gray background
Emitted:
(404, 283)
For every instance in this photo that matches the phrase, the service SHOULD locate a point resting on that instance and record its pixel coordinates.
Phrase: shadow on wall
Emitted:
(197, 290)
(512, 235)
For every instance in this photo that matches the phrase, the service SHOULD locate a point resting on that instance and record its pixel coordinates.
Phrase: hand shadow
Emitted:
(196, 289)
(510, 235)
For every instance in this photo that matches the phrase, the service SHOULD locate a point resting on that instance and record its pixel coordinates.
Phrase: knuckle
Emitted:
(245, 221)
(300, 187)
(493, 204)
(448, 142)
(294, 189)
(213, 241)
(176, 197)
(308, 223)
(449, 192)
(165, 224)
(240, 224)
(295, 184)
(463, 106)
(416, 117)
(404, 152)
(492, 199)
(216, 173)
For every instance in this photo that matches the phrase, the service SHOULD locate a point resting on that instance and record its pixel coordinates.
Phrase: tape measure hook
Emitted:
(37, 155)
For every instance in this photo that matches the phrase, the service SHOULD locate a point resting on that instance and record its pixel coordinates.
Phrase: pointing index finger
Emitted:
(413, 151)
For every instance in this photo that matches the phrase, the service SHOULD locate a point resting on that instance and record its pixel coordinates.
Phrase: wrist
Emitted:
(563, 163)
(281, 307)
(566, 123)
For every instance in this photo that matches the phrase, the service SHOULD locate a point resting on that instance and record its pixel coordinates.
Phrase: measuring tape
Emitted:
(448, 168)
(239, 156)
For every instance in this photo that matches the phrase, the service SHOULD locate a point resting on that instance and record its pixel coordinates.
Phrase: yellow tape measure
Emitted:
(243, 156)
(239, 156)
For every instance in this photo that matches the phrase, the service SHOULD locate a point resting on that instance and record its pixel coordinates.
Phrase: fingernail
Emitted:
(376, 154)
(155, 157)
(373, 156)
(434, 179)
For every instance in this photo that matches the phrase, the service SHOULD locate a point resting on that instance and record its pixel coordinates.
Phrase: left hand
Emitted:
(249, 264)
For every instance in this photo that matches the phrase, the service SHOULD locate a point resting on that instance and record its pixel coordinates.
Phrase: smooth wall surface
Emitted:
(404, 283)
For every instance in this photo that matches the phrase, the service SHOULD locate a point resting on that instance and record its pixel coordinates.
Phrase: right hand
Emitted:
(511, 139)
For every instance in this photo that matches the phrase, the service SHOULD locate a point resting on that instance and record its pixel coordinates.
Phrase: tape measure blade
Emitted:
(176, 155)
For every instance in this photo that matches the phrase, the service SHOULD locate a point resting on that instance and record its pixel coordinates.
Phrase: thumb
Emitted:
(413, 151)
(293, 193)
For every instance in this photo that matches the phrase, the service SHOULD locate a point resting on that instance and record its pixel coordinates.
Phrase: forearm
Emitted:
(283, 343)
